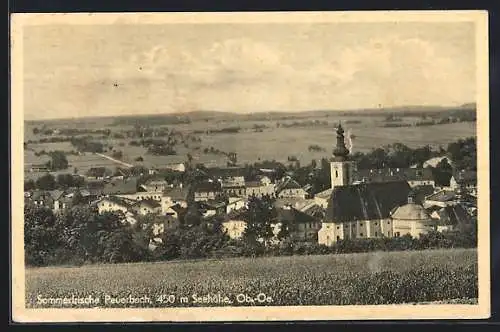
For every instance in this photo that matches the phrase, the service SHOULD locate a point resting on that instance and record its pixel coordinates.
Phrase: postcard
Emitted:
(285, 166)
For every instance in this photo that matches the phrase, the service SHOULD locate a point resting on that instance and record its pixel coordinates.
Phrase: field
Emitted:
(441, 276)
(270, 143)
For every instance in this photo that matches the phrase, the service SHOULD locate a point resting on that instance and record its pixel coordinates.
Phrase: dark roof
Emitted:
(394, 174)
(293, 216)
(207, 187)
(314, 210)
(150, 203)
(421, 192)
(453, 215)
(226, 172)
(179, 194)
(128, 186)
(119, 200)
(366, 201)
(97, 171)
(442, 196)
(288, 183)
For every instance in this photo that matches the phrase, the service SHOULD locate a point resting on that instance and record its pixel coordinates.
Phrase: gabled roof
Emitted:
(178, 194)
(324, 194)
(442, 196)
(119, 200)
(226, 172)
(288, 183)
(453, 215)
(206, 186)
(293, 216)
(366, 201)
(151, 203)
(128, 186)
(394, 174)
(56, 194)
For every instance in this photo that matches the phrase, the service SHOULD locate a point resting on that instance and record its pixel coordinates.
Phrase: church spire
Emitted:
(340, 152)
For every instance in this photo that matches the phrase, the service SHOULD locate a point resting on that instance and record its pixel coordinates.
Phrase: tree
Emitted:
(442, 173)
(29, 185)
(46, 182)
(58, 161)
(117, 154)
(140, 159)
(259, 215)
(40, 235)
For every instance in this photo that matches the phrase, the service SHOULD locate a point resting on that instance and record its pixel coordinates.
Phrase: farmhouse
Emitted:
(156, 185)
(113, 204)
(260, 188)
(441, 198)
(121, 187)
(206, 190)
(289, 188)
(234, 225)
(464, 180)
(449, 218)
(147, 206)
(301, 226)
(98, 173)
(176, 195)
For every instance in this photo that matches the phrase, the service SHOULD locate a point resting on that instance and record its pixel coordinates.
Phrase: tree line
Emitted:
(81, 235)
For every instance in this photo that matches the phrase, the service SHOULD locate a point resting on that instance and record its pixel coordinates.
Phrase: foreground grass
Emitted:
(370, 278)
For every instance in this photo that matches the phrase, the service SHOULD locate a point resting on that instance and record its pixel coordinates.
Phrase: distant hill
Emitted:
(204, 115)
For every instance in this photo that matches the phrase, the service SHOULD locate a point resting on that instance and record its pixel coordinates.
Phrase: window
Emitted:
(375, 224)
(360, 234)
(376, 234)
(338, 227)
(388, 223)
(336, 174)
(389, 233)
(397, 234)
(338, 238)
(361, 224)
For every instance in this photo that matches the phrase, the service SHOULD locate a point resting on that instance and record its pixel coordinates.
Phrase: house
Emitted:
(235, 204)
(177, 195)
(414, 176)
(143, 195)
(464, 180)
(411, 219)
(121, 173)
(289, 188)
(362, 210)
(212, 207)
(301, 226)
(98, 173)
(235, 224)
(260, 188)
(114, 204)
(121, 187)
(147, 206)
(441, 198)
(449, 218)
(156, 185)
(38, 168)
(206, 190)
(323, 197)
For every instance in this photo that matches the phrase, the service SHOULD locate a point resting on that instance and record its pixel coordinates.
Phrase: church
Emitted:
(365, 210)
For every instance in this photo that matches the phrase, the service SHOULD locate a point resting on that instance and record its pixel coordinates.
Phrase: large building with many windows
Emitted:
(366, 210)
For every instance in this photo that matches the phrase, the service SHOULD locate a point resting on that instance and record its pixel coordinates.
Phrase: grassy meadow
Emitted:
(444, 276)
(272, 142)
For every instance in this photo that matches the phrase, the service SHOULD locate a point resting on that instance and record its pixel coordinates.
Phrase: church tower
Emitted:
(341, 167)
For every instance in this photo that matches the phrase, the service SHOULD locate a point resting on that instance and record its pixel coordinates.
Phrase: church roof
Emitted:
(366, 201)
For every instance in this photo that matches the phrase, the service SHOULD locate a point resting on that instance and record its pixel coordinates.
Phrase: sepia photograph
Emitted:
(250, 166)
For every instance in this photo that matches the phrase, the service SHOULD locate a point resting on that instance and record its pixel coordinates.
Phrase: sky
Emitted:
(108, 70)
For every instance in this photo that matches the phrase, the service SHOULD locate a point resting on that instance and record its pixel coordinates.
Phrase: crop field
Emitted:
(272, 142)
(441, 276)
